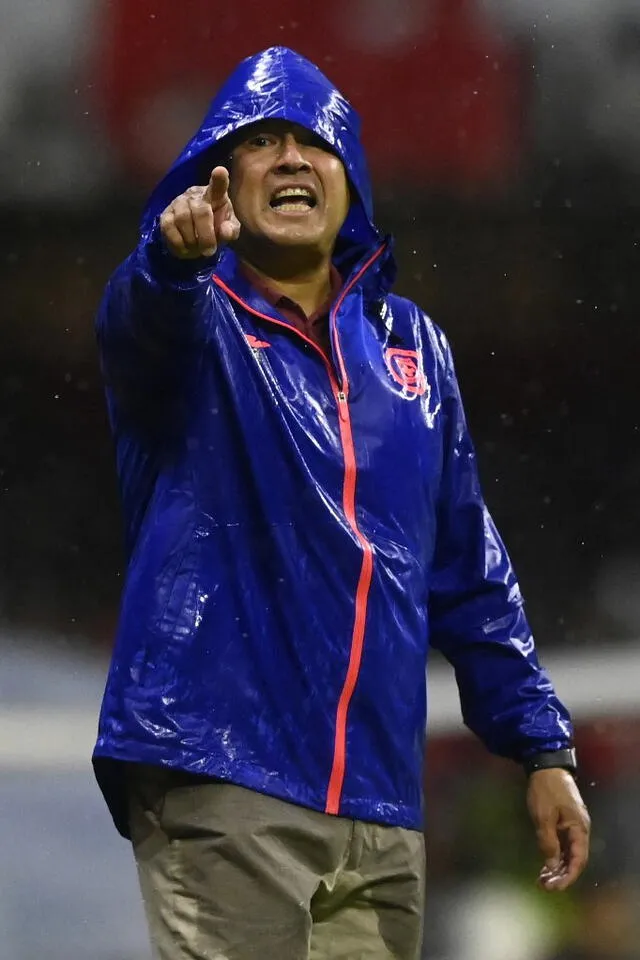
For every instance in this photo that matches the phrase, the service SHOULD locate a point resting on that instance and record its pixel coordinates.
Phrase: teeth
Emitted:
(292, 205)
(293, 192)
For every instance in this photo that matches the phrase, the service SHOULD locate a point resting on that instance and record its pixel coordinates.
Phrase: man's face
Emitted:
(287, 188)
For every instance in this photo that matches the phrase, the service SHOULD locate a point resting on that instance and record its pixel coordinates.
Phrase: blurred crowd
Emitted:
(504, 141)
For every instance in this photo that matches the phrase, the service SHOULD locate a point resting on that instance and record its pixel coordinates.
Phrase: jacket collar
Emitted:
(374, 284)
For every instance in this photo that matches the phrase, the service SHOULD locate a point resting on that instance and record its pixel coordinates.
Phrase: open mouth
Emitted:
(293, 200)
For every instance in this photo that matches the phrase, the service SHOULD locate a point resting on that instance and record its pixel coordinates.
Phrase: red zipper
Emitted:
(340, 389)
(338, 766)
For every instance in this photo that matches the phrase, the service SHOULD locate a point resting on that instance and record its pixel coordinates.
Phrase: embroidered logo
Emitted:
(255, 343)
(404, 367)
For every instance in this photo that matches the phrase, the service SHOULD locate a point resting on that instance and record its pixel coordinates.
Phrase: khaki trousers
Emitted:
(230, 874)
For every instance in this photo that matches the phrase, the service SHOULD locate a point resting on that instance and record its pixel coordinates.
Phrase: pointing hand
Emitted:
(200, 219)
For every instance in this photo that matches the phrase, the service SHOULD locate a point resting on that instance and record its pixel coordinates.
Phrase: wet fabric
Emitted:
(300, 528)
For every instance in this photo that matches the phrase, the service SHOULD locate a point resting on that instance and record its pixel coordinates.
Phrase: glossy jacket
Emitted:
(300, 527)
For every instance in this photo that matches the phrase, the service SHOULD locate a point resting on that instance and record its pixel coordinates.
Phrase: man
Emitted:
(303, 520)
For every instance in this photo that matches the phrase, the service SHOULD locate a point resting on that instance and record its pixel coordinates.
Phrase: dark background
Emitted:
(540, 302)
(504, 142)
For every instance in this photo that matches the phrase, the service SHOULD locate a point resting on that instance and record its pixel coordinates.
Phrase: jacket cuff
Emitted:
(163, 263)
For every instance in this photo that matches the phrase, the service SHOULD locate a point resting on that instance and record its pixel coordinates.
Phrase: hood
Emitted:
(278, 84)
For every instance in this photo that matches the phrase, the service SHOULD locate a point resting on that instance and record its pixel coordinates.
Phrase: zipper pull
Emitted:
(342, 405)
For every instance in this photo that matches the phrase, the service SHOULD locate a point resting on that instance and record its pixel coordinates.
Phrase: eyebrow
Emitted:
(274, 128)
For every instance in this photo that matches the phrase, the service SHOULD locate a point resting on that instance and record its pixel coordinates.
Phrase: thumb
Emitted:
(217, 189)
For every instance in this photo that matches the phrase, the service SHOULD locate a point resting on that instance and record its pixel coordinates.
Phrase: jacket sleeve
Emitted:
(151, 302)
(476, 609)
(151, 323)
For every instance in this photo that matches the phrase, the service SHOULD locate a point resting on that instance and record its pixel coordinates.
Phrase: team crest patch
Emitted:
(404, 367)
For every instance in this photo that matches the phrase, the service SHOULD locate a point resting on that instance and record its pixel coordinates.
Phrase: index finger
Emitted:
(575, 854)
(216, 192)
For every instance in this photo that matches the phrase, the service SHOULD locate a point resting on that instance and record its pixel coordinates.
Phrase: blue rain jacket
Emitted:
(300, 527)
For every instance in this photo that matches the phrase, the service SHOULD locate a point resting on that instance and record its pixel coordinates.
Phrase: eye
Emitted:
(260, 140)
(307, 138)
(318, 143)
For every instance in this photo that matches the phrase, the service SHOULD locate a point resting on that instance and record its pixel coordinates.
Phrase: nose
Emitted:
(291, 159)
